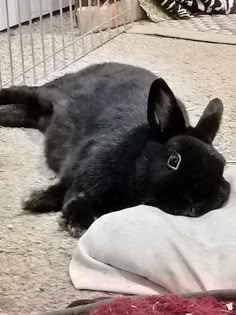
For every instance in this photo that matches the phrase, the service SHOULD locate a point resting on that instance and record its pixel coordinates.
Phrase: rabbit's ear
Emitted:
(164, 114)
(210, 120)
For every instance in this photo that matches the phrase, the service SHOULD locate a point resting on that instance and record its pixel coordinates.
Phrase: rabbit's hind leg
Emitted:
(48, 200)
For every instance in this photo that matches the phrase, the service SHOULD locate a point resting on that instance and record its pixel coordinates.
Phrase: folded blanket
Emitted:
(143, 250)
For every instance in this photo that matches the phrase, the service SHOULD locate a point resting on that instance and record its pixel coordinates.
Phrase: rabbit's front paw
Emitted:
(78, 216)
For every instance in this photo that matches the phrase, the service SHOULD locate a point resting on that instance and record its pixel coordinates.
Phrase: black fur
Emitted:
(109, 132)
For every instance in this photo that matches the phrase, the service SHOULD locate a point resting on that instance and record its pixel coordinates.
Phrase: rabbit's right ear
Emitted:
(164, 114)
(210, 121)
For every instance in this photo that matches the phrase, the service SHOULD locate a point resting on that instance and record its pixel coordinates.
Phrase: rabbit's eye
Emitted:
(174, 161)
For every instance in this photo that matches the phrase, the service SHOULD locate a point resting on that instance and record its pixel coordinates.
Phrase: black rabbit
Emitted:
(117, 137)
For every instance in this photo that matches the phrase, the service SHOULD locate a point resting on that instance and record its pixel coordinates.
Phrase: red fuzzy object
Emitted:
(166, 305)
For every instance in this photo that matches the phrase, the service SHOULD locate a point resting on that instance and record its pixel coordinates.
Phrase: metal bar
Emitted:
(131, 12)
(108, 24)
(80, 56)
(9, 43)
(125, 10)
(81, 23)
(32, 43)
(98, 45)
(52, 38)
(115, 18)
(75, 42)
(94, 48)
(90, 20)
(0, 76)
(21, 41)
(62, 34)
(40, 62)
(72, 28)
(42, 36)
(100, 27)
(77, 58)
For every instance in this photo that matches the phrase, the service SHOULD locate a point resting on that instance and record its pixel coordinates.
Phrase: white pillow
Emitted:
(143, 250)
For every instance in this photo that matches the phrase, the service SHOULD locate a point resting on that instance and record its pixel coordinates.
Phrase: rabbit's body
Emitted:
(106, 154)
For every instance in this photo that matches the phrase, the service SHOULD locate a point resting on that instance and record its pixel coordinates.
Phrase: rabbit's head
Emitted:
(187, 177)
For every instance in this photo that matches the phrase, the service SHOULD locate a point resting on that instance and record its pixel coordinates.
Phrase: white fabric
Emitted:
(143, 250)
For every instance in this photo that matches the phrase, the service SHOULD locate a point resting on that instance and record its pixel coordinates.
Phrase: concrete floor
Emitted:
(34, 253)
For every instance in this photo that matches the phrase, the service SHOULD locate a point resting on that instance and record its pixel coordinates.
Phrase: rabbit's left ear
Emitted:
(163, 113)
(210, 120)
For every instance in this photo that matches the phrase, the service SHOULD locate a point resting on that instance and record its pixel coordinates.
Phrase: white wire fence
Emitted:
(38, 37)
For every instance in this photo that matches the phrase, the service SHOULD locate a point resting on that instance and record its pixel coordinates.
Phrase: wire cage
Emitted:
(38, 37)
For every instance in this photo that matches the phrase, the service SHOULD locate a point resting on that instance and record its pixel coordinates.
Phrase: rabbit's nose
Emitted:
(191, 212)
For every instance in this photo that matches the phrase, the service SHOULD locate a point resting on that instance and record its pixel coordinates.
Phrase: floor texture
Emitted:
(34, 252)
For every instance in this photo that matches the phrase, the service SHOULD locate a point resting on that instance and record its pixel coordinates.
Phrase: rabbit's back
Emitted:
(103, 95)
(103, 100)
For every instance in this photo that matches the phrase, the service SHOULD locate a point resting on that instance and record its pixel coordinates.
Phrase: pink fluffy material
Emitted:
(166, 305)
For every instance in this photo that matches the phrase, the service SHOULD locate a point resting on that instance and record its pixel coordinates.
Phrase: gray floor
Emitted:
(34, 252)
